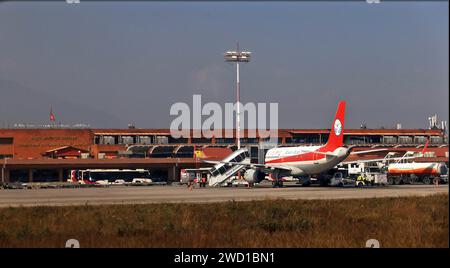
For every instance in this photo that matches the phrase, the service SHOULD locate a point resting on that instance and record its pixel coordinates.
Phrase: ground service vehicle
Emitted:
(375, 176)
(401, 173)
(339, 180)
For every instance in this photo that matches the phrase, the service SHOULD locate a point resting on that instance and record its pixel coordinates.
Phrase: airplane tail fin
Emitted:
(336, 138)
(425, 147)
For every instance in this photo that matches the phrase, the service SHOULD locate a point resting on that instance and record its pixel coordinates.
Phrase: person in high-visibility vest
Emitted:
(360, 178)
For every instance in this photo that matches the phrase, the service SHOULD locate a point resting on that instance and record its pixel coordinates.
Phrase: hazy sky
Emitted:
(109, 64)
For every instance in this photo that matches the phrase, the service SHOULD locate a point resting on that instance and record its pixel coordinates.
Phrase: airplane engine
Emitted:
(254, 176)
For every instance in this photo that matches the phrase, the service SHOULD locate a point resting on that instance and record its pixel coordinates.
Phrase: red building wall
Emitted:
(31, 143)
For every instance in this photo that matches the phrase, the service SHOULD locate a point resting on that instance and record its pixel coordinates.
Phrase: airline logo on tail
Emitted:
(337, 127)
(336, 138)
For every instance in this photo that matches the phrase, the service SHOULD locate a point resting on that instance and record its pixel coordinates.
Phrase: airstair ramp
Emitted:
(222, 171)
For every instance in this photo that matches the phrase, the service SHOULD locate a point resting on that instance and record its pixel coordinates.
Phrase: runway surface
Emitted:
(181, 194)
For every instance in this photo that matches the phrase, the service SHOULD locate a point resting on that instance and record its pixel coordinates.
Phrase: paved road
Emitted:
(159, 194)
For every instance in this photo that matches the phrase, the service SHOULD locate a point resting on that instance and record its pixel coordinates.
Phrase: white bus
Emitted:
(110, 176)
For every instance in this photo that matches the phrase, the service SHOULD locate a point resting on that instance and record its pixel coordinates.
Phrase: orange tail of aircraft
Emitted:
(425, 147)
(336, 138)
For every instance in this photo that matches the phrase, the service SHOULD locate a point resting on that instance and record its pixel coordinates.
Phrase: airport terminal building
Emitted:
(42, 154)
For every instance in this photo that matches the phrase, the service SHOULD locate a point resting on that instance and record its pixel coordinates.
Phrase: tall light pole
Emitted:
(237, 56)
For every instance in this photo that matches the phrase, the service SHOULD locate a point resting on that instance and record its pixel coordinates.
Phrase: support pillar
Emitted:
(60, 175)
(7, 176)
(30, 175)
(173, 174)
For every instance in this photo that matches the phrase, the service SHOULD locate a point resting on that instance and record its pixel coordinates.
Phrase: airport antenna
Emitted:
(237, 56)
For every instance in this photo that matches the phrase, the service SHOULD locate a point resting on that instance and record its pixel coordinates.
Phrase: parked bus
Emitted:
(110, 176)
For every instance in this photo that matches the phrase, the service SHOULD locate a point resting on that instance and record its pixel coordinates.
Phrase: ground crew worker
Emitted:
(436, 181)
(190, 185)
(360, 178)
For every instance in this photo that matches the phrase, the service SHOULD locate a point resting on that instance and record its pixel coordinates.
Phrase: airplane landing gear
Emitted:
(277, 183)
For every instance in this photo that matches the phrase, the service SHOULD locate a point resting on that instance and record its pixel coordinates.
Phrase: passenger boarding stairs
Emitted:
(222, 172)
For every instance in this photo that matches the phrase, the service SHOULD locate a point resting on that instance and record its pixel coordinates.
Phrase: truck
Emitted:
(194, 175)
(401, 170)
(403, 173)
(370, 176)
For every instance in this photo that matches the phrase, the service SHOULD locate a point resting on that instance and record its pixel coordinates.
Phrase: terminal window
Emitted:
(6, 140)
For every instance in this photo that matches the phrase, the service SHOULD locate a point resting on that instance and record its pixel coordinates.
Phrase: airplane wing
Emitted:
(368, 151)
(197, 169)
(249, 165)
(377, 160)
(326, 153)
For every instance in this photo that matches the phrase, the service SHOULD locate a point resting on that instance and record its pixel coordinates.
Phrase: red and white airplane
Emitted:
(303, 160)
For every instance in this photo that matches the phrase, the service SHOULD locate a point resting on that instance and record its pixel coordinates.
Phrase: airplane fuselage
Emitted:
(305, 160)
